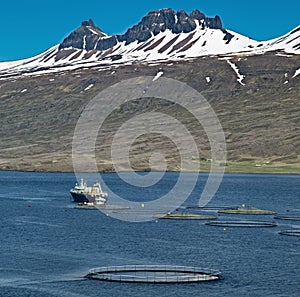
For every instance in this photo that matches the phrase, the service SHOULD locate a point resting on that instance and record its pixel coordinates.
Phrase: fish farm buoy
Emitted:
(245, 224)
(153, 274)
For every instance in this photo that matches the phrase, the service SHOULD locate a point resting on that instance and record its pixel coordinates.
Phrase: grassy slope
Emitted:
(260, 119)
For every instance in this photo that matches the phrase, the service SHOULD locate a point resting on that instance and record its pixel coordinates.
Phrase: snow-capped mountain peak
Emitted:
(289, 42)
(161, 35)
(85, 37)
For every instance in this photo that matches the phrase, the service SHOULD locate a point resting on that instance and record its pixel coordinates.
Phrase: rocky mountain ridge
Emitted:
(89, 37)
(162, 35)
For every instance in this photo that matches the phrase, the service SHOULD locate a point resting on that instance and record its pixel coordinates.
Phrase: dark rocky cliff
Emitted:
(89, 37)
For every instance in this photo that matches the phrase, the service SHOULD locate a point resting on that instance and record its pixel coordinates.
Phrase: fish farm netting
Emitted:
(290, 217)
(295, 232)
(245, 224)
(153, 274)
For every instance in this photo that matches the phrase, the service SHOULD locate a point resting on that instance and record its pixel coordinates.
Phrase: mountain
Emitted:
(252, 86)
(162, 35)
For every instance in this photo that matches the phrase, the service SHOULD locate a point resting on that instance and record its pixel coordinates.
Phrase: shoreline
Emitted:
(145, 171)
(254, 166)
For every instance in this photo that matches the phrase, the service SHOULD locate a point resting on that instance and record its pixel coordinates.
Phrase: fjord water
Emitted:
(46, 245)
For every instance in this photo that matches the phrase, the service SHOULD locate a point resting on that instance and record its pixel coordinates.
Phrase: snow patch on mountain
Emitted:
(158, 75)
(297, 72)
(240, 77)
(88, 87)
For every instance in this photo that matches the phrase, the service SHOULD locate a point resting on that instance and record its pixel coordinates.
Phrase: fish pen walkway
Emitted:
(153, 274)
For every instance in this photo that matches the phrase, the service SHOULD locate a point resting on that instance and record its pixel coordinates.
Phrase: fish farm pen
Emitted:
(153, 274)
(186, 216)
(247, 210)
(243, 224)
(210, 208)
(291, 217)
(295, 232)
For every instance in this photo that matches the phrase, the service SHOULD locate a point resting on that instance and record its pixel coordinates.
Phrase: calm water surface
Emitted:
(46, 245)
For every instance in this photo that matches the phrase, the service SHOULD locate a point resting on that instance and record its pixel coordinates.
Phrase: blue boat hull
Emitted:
(80, 197)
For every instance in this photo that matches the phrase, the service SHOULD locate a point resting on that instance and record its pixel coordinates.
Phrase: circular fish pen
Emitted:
(247, 210)
(290, 218)
(153, 274)
(186, 216)
(210, 208)
(242, 224)
(295, 232)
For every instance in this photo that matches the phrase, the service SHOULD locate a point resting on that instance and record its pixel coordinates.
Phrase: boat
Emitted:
(81, 193)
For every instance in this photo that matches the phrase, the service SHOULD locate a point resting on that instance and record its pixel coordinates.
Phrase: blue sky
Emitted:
(30, 27)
